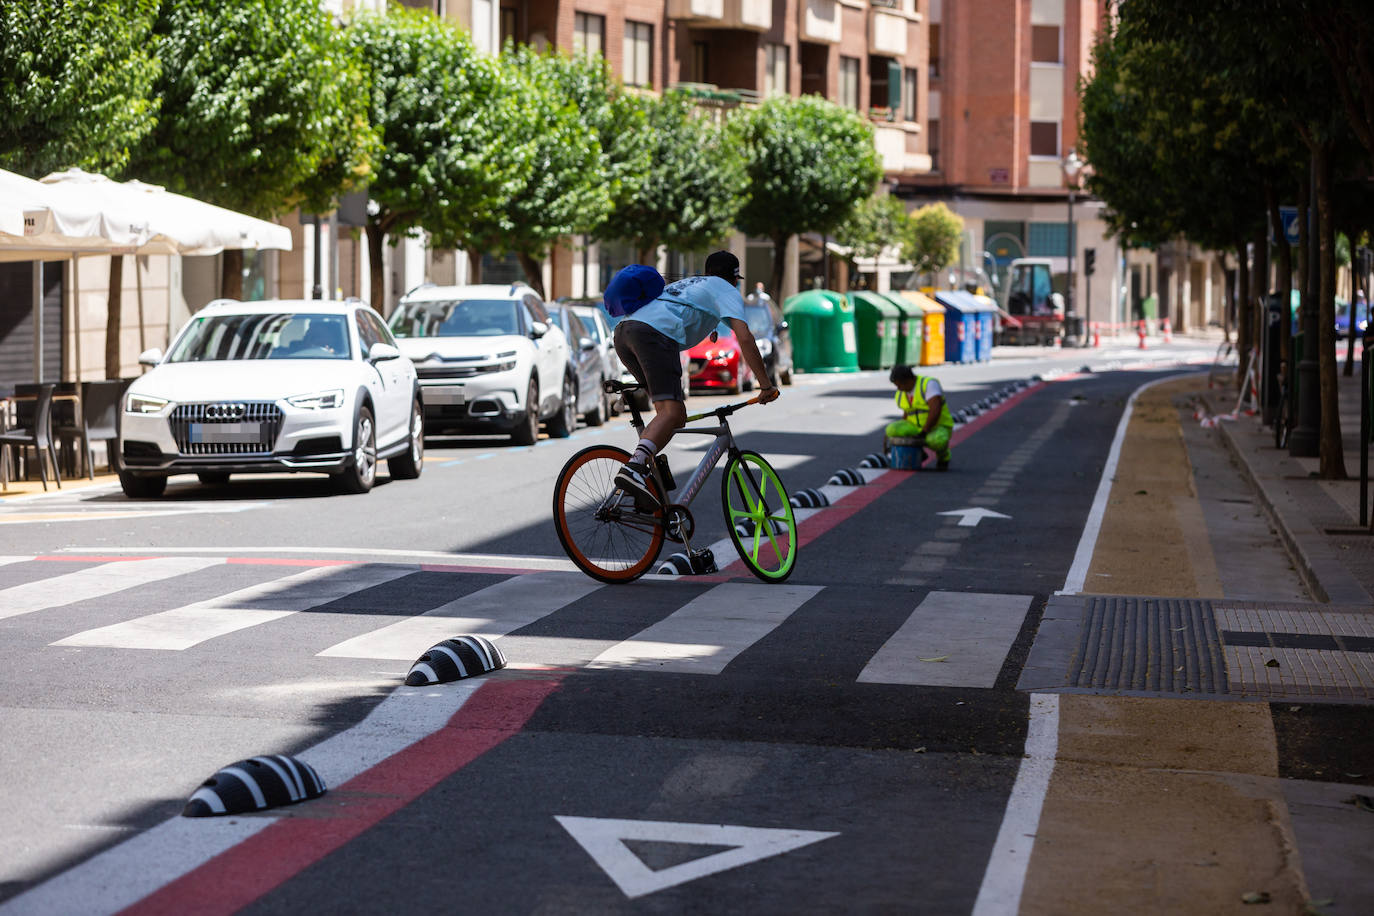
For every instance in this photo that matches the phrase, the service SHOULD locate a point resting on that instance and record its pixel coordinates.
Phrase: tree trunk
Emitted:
(534, 272)
(231, 284)
(376, 266)
(1244, 327)
(1284, 291)
(779, 262)
(1332, 450)
(474, 265)
(114, 317)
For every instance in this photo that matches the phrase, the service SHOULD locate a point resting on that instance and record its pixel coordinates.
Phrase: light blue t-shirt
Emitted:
(690, 308)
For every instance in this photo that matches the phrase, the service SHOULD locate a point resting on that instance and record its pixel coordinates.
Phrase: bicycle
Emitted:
(610, 539)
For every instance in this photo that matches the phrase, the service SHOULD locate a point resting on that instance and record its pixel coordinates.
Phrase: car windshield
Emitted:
(759, 319)
(273, 335)
(462, 318)
(589, 322)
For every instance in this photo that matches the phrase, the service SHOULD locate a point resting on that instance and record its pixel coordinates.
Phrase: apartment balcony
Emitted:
(898, 147)
(819, 20)
(887, 32)
(753, 15)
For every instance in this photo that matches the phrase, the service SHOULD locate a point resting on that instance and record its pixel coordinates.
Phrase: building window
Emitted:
(639, 54)
(1045, 44)
(934, 50)
(589, 34)
(1044, 138)
(1047, 240)
(849, 82)
(699, 62)
(933, 143)
(775, 81)
(909, 84)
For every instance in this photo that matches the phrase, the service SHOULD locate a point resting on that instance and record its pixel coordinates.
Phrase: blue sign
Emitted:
(1288, 216)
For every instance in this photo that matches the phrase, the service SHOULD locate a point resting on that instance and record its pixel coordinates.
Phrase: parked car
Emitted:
(261, 387)
(586, 364)
(775, 344)
(490, 360)
(598, 325)
(1343, 317)
(718, 364)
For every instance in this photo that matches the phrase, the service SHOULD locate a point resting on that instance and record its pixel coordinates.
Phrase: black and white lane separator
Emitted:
(255, 784)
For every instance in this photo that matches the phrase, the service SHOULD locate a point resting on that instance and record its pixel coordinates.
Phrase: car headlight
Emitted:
(145, 404)
(318, 400)
(765, 348)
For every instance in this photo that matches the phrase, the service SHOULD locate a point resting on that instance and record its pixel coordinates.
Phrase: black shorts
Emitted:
(652, 357)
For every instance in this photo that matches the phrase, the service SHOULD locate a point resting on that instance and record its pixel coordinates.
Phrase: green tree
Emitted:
(66, 100)
(932, 242)
(690, 184)
(449, 156)
(874, 224)
(263, 109)
(568, 191)
(808, 162)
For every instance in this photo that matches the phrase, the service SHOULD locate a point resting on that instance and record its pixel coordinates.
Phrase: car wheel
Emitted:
(407, 466)
(527, 432)
(747, 384)
(213, 478)
(361, 473)
(142, 487)
(562, 424)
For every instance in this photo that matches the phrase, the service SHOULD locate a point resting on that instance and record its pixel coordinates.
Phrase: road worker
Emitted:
(925, 415)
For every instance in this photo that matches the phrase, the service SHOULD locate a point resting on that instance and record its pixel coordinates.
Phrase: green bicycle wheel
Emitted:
(759, 517)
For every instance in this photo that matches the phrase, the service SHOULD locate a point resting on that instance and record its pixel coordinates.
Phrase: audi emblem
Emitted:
(225, 411)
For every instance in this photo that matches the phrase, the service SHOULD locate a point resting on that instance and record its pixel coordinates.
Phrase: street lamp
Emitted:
(1072, 166)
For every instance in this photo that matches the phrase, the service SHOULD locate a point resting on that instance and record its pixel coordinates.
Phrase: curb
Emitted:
(1318, 565)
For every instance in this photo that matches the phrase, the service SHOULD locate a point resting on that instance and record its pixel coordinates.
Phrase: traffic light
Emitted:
(1089, 261)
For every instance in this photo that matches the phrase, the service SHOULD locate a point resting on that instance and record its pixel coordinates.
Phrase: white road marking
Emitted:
(603, 839)
(970, 633)
(708, 632)
(969, 518)
(496, 561)
(95, 582)
(184, 627)
(492, 612)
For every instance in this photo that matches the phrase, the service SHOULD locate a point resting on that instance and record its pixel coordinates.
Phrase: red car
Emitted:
(718, 364)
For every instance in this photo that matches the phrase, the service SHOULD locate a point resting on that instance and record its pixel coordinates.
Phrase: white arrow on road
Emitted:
(969, 518)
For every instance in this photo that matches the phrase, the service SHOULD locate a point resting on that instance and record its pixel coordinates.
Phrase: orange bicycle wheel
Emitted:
(604, 534)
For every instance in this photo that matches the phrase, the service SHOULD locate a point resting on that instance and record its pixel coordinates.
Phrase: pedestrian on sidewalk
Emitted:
(925, 415)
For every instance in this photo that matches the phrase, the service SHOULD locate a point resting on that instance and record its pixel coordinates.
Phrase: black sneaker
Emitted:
(634, 480)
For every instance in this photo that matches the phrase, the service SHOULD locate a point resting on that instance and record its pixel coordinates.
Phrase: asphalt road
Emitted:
(792, 747)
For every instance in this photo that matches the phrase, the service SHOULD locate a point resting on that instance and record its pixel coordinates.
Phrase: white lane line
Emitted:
(123, 875)
(492, 612)
(95, 582)
(184, 627)
(491, 560)
(708, 632)
(1005, 876)
(964, 636)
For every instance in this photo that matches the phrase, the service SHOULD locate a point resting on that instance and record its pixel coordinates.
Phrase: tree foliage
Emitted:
(76, 81)
(444, 112)
(932, 242)
(690, 182)
(809, 162)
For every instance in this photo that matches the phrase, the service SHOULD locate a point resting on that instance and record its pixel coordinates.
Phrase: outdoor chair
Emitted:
(33, 428)
(96, 421)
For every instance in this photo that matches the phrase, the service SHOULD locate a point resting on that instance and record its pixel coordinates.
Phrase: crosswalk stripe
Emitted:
(187, 626)
(491, 612)
(708, 632)
(94, 582)
(951, 639)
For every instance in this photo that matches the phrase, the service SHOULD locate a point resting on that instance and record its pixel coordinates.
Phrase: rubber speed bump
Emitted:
(847, 477)
(455, 659)
(809, 499)
(255, 784)
(873, 460)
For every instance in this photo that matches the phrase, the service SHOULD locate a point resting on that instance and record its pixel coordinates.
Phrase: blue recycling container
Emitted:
(961, 326)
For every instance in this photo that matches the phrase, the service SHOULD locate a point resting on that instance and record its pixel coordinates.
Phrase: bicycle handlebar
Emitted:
(724, 410)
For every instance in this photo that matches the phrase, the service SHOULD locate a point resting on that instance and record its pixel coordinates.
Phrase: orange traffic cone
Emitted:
(1140, 329)
(1164, 329)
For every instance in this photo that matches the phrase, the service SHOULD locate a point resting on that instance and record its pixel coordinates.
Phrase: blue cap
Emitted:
(632, 287)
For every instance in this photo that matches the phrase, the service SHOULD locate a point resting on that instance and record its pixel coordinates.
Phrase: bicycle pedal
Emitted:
(703, 561)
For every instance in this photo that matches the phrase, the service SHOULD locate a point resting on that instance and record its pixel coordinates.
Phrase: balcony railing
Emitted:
(754, 15)
(819, 20)
(887, 35)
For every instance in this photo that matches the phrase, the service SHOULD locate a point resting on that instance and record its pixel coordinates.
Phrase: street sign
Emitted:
(1288, 216)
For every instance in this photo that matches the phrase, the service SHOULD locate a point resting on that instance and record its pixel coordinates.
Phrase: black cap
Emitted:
(723, 264)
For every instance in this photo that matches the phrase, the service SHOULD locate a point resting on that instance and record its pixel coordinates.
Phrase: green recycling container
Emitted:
(877, 327)
(909, 329)
(821, 323)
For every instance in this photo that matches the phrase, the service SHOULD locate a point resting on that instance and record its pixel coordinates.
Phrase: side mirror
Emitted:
(538, 329)
(586, 343)
(782, 326)
(150, 357)
(382, 351)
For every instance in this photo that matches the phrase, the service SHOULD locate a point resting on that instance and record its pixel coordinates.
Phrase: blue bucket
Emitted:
(904, 454)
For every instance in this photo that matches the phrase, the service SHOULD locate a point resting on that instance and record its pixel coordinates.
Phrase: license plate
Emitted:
(445, 394)
(235, 433)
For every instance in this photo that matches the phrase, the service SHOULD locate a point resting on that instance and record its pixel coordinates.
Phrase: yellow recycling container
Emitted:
(932, 348)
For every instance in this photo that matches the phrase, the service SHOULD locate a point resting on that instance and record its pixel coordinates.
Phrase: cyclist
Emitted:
(649, 341)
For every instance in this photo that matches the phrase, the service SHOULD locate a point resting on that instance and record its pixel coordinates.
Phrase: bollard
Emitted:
(1097, 334)
(1164, 330)
(1140, 329)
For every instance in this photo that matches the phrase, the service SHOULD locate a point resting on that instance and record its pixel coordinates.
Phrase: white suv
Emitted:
(256, 387)
(489, 360)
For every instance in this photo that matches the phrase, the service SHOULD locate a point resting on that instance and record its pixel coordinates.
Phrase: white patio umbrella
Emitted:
(11, 220)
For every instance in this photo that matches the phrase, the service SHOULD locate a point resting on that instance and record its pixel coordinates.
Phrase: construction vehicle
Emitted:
(1032, 312)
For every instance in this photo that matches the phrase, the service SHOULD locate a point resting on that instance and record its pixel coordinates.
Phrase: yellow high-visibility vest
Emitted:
(915, 403)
